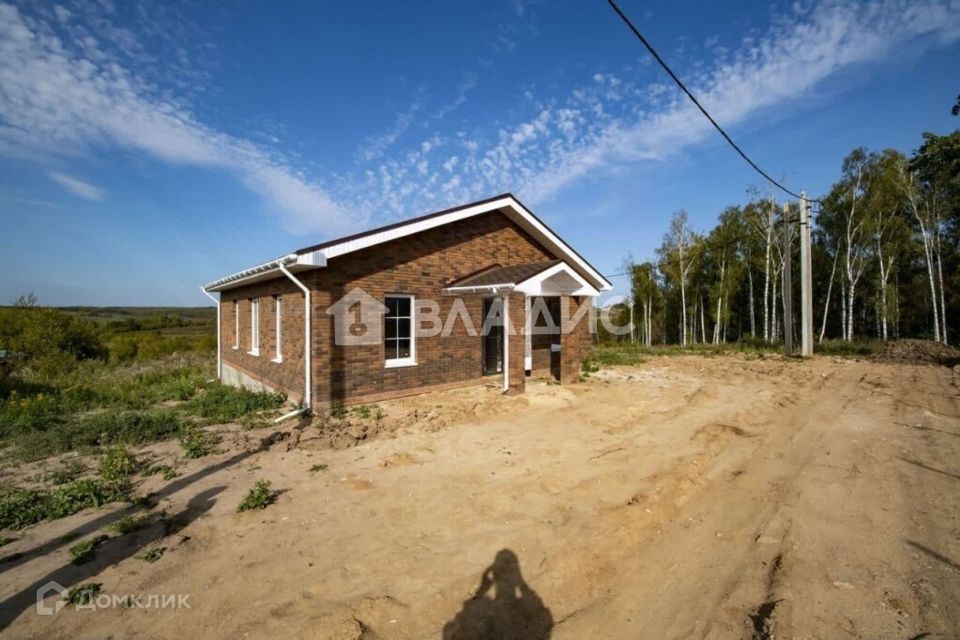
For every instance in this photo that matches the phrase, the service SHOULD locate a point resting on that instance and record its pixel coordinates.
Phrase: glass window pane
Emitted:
(403, 307)
(391, 307)
(403, 348)
(390, 328)
(403, 328)
(390, 349)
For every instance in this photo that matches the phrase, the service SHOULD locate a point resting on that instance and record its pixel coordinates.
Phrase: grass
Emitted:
(84, 552)
(4, 541)
(857, 348)
(221, 403)
(21, 508)
(259, 497)
(96, 405)
(317, 468)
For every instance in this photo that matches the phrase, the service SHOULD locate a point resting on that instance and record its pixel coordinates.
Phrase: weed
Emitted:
(164, 470)
(259, 497)
(338, 412)
(362, 411)
(154, 554)
(83, 594)
(117, 465)
(84, 552)
(21, 508)
(197, 443)
(4, 541)
(221, 403)
(317, 467)
(129, 524)
(70, 471)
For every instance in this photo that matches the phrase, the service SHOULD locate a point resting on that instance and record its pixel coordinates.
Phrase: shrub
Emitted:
(259, 497)
(117, 465)
(84, 552)
(197, 443)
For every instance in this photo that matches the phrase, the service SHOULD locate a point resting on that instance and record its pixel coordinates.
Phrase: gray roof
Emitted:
(497, 274)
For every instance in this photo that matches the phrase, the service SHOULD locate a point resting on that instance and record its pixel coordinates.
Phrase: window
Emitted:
(398, 339)
(254, 326)
(236, 324)
(278, 356)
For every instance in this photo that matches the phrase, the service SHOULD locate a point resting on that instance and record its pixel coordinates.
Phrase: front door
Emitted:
(493, 340)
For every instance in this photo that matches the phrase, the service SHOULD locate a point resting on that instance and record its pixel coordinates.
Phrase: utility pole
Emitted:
(787, 283)
(806, 279)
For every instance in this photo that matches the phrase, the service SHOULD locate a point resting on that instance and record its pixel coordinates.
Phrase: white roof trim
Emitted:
(508, 204)
(534, 285)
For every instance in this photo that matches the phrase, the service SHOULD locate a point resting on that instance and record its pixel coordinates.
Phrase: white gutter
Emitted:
(217, 300)
(307, 337)
(506, 343)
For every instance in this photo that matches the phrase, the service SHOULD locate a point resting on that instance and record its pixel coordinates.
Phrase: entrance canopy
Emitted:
(550, 278)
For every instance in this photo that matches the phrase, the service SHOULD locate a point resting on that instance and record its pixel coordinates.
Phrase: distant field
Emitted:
(208, 314)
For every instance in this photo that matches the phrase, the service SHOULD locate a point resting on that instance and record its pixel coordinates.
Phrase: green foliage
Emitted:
(153, 554)
(855, 348)
(46, 340)
(83, 594)
(87, 432)
(317, 467)
(21, 508)
(197, 443)
(129, 523)
(338, 412)
(84, 552)
(168, 472)
(259, 497)
(221, 403)
(4, 541)
(117, 465)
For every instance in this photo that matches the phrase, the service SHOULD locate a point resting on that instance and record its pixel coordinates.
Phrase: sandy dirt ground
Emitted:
(687, 497)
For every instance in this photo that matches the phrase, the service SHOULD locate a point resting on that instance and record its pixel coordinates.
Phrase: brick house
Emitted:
(447, 299)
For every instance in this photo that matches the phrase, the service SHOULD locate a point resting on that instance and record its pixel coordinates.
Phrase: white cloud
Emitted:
(64, 96)
(68, 94)
(77, 187)
(610, 122)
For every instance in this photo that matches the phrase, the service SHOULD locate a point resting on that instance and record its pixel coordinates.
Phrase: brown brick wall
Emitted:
(420, 265)
(286, 376)
(575, 341)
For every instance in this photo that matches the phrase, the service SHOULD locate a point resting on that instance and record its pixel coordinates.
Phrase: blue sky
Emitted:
(147, 148)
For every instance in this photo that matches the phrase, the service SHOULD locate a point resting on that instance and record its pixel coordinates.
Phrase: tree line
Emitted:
(885, 258)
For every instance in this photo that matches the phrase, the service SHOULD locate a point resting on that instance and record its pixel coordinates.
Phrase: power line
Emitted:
(693, 99)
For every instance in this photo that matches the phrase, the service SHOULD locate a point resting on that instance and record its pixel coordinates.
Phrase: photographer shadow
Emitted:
(512, 610)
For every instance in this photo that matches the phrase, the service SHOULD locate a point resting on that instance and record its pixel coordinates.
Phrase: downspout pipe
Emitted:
(219, 363)
(506, 342)
(307, 337)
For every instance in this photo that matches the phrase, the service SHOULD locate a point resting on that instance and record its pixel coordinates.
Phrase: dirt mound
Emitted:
(918, 352)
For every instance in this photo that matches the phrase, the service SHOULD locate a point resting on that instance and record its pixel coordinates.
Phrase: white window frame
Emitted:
(236, 324)
(254, 327)
(411, 360)
(278, 334)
